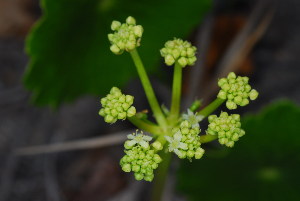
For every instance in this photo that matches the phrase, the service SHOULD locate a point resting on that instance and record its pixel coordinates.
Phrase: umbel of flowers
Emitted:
(171, 131)
(140, 157)
(179, 51)
(126, 36)
(116, 106)
(226, 127)
(236, 90)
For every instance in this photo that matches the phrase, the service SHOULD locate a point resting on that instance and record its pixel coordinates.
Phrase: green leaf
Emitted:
(69, 50)
(263, 165)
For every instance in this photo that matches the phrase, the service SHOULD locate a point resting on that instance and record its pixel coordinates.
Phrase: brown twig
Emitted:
(98, 142)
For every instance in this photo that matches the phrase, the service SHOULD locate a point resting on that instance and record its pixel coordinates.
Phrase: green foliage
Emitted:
(263, 166)
(69, 51)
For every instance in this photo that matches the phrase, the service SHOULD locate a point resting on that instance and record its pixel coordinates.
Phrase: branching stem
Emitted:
(161, 120)
(211, 107)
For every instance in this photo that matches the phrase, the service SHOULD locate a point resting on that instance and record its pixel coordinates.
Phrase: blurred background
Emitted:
(55, 64)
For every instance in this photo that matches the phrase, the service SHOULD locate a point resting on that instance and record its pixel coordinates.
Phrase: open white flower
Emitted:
(139, 138)
(192, 118)
(175, 143)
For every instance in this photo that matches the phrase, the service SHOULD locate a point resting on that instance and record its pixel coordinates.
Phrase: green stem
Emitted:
(208, 138)
(144, 125)
(161, 176)
(148, 89)
(211, 107)
(176, 92)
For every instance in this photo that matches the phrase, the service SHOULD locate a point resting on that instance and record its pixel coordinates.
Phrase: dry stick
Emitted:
(98, 142)
(196, 73)
(242, 45)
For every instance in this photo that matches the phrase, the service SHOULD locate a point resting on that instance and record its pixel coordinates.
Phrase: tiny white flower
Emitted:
(192, 118)
(175, 143)
(139, 138)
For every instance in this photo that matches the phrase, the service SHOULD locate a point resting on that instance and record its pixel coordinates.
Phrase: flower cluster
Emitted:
(141, 158)
(227, 127)
(116, 106)
(126, 36)
(186, 141)
(236, 90)
(179, 51)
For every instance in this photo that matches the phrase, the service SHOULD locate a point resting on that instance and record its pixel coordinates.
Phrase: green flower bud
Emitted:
(199, 153)
(179, 51)
(131, 111)
(138, 176)
(115, 49)
(253, 94)
(231, 105)
(138, 30)
(130, 20)
(157, 145)
(115, 25)
(169, 60)
(126, 168)
(183, 61)
(149, 177)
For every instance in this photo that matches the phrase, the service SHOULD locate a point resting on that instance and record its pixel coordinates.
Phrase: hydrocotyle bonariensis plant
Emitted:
(173, 131)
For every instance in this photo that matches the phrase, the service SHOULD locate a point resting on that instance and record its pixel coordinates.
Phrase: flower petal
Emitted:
(131, 142)
(178, 135)
(182, 145)
(144, 144)
(130, 136)
(176, 151)
(147, 138)
(169, 139)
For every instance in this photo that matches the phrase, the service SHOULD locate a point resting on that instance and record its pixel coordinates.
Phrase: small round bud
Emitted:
(131, 111)
(115, 49)
(157, 145)
(130, 20)
(169, 60)
(253, 94)
(115, 25)
(138, 176)
(126, 168)
(182, 61)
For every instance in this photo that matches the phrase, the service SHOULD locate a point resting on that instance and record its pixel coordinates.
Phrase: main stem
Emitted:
(148, 89)
(176, 92)
(161, 177)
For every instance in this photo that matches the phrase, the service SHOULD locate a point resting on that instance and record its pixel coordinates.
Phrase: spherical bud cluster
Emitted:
(236, 90)
(179, 51)
(186, 141)
(227, 127)
(116, 106)
(126, 36)
(140, 157)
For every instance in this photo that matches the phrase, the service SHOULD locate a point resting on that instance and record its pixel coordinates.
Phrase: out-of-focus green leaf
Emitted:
(264, 165)
(69, 50)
